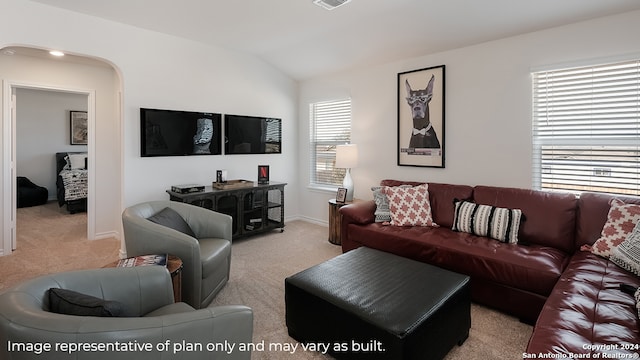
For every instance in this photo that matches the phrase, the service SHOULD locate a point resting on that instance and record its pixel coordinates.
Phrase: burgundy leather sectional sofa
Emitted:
(572, 296)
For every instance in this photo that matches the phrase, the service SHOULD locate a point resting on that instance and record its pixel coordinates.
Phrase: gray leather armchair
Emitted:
(206, 257)
(152, 318)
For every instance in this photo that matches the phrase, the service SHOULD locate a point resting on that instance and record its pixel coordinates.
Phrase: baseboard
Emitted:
(107, 235)
(310, 220)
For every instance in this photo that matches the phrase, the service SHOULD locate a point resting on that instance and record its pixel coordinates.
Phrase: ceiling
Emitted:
(304, 40)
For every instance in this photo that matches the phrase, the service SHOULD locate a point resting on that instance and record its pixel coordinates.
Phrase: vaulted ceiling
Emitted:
(304, 40)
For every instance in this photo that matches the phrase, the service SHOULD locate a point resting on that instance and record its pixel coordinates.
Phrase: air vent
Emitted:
(330, 4)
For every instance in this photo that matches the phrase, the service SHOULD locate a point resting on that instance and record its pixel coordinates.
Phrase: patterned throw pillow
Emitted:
(382, 213)
(621, 220)
(627, 254)
(485, 220)
(410, 206)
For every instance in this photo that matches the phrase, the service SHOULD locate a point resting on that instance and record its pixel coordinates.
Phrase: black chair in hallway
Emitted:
(30, 194)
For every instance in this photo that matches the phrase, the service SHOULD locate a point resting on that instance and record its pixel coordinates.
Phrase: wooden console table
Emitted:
(254, 209)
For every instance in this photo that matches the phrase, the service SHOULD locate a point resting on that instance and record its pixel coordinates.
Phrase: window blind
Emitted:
(330, 126)
(586, 129)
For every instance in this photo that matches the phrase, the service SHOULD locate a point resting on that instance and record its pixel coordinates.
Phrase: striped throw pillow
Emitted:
(485, 220)
(627, 254)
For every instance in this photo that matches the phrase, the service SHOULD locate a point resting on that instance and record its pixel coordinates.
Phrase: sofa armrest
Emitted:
(359, 213)
(362, 212)
(232, 324)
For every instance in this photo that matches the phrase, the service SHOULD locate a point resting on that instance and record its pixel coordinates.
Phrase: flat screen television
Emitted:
(179, 133)
(252, 135)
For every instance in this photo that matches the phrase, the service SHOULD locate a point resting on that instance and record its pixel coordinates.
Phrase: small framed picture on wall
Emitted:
(78, 126)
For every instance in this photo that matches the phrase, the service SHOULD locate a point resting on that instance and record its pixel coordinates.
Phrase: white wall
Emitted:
(28, 71)
(487, 102)
(488, 106)
(161, 71)
(42, 129)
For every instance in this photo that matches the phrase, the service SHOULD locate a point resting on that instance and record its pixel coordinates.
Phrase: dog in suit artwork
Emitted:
(422, 135)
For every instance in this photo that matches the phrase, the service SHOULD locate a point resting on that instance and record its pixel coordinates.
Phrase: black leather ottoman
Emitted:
(374, 305)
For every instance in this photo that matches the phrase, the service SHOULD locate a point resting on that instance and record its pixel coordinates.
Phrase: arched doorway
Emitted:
(52, 79)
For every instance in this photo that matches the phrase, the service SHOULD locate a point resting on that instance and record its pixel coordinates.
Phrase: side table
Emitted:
(335, 220)
(174, 265)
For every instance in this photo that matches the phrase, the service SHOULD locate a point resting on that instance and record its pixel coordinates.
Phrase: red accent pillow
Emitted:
(621, 220)
(410, 206)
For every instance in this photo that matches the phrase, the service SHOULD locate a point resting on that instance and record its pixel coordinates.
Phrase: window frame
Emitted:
(586, 128)
(326, 118)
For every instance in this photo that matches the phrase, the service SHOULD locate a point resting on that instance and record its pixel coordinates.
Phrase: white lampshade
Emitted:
(347, 156)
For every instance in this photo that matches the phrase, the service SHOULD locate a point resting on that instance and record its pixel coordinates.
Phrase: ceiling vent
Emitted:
(330, 4)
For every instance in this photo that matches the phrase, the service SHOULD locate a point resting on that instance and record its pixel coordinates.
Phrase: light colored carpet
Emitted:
(260, 264)
(50, 240)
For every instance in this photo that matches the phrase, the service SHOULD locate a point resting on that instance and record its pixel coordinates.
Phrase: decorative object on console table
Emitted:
(263, 174)
(232, 184)
(221, 176)
(347, 158)
(187, 188)
(78, 126)
(421, 117)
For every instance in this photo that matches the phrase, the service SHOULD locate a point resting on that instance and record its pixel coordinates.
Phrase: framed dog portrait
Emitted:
(78, 121)
(421, 117)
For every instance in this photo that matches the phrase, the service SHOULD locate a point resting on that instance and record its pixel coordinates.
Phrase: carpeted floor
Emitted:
(50, 240)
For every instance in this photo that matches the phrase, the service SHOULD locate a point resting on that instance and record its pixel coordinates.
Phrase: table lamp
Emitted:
(347, 158)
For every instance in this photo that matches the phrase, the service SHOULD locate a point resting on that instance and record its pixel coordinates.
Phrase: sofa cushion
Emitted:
(627, 254)
(621, 220)
(171, 219)
(69, 302)
(485, 220)
(410, 206)
(587, 307)
(532, 268)
(593, 209)
(550, 216)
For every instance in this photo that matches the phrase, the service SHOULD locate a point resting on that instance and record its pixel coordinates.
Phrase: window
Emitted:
(586, 129)
(330, 126)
